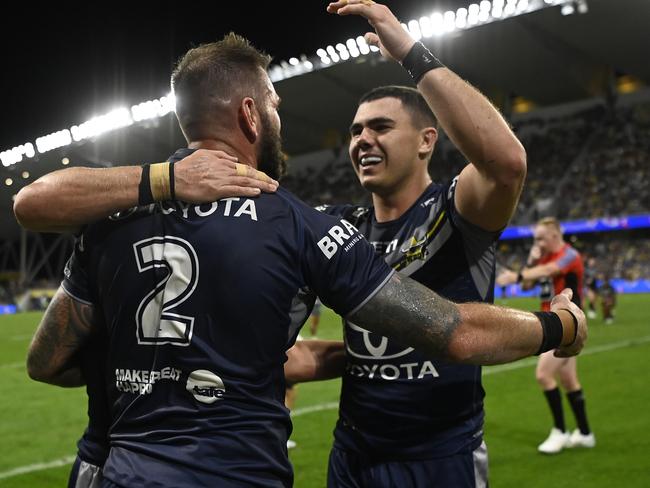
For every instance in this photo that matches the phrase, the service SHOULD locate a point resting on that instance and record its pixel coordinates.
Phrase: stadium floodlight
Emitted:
(309, 66)
(437, 24)
(583, 8)
(484, 11)
(511, 8)
(351, 44)
(363, 45)
(449, 21)
(326, 61)
(65, 161)
(9, 182)
(335, 58)
(343, 51)
(96, 126)
(154, 108)
(330, 50)
(321, 53)
(567, 9)
(355, 53)
(472, 14)
(294, 61)
(414, 30)
(53, 141)
(497, 8)
(25, 174)
(425, 27)
(461, 18)
(15, 154)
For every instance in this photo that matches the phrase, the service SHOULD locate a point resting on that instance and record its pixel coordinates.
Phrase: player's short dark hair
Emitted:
(411, 99)
(210, 74)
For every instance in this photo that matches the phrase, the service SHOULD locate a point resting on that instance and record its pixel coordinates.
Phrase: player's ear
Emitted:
(249, 120)
(429, 136)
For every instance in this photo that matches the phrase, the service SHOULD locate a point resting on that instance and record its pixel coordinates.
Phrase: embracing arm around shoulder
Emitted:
(64, 328)
(472, 333)
(65, 200)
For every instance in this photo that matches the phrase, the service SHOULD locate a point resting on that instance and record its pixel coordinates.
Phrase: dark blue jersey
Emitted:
(197, 302)
(396, 403)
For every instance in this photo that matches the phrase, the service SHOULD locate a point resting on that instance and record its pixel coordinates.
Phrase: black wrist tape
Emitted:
(575, 325)
(419, 60)
(145, 197)
(552, 331)
(172, 188)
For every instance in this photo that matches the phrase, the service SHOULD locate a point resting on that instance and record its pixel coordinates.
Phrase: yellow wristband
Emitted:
(159, 181)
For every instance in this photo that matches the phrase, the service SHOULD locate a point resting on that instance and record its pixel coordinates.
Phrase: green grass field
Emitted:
(40, 424)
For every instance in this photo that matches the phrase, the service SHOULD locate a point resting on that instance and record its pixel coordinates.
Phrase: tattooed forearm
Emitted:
(411, 314)
(62, 331)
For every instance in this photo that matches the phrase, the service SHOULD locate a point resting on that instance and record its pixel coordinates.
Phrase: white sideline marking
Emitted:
(587, 352)
(30, 468)
(13, 365)
(333, 405)
(21, 337)
(314, 408)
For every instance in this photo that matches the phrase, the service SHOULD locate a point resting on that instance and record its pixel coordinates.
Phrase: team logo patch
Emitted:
(205, 386)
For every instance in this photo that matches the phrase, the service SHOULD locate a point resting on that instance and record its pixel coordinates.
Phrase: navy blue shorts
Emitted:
(463, 470)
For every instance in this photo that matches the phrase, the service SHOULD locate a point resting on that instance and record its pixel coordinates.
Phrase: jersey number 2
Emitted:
(155, 318)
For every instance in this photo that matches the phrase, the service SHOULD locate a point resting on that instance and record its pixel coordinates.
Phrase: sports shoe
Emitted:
(291, 444)
(578, 439)
(555, 442)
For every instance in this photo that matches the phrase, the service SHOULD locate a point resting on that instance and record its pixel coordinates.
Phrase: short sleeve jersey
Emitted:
(396, 403)
(200, 303)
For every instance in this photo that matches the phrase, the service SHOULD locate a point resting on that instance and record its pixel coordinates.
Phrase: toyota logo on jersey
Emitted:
(364, 345)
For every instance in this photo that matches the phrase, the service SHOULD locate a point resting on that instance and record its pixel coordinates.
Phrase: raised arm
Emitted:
(63, 330)
(314, 360)
(64, 200)
(472, 333)
(488, 189)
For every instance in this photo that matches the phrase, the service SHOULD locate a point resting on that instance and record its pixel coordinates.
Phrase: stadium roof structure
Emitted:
(546, 57)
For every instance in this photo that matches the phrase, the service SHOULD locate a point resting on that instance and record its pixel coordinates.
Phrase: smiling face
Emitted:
(386, 148)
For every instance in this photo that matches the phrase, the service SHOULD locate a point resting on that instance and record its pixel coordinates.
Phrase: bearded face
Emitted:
(271, 158)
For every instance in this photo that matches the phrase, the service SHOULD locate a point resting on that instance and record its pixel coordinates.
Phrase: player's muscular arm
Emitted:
(63, 330)
(469, 333)
(64, 200)
(314, 360)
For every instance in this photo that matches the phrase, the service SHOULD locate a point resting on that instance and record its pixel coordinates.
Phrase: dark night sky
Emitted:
(64, 63)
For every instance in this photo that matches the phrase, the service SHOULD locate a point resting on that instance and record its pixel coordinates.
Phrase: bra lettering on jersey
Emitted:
(338, 236)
